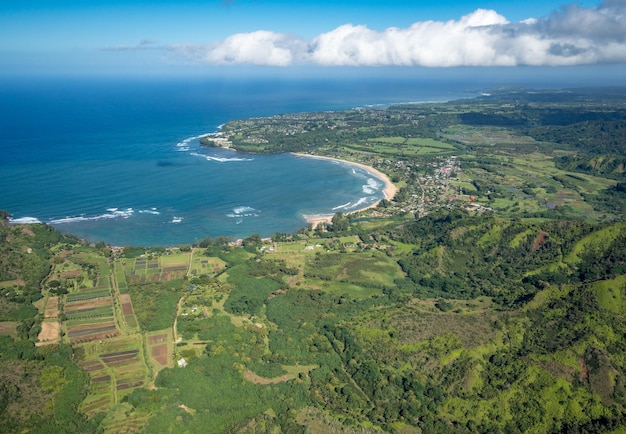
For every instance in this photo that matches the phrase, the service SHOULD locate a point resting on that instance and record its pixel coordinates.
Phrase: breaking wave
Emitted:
(220, 159)
(24, 221)
(371, 187)
(351, 206)
(243, 211)
(113, 213)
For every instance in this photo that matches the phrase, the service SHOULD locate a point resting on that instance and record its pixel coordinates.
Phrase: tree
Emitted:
(340, 222)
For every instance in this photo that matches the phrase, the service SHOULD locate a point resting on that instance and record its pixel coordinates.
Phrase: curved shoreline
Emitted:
(389, 191)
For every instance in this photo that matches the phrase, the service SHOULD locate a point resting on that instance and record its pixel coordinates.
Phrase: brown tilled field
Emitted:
(49, 332)
(92, 329)
(127, 309)
(92, 365)
(89, 304)
(52, 308)
(127, 305)
(101, 379)
(91, 332)
(159, 354)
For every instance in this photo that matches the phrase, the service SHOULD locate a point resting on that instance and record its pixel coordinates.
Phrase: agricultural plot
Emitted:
(115, 368)
(50, 332)
(87, 310)
(160, 348)
(155, 269)
(91, 331)
(52, 308)
(127, 311)
(120, 279)
(202, 265)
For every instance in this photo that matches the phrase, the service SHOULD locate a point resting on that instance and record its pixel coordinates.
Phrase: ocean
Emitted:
(118, 159)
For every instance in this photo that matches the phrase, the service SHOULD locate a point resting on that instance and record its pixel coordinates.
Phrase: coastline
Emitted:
(389, 191)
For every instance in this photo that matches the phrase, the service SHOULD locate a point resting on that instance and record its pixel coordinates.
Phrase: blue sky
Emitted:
(57, 36)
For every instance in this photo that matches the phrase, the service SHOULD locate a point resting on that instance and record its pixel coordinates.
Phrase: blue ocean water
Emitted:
(117, 159)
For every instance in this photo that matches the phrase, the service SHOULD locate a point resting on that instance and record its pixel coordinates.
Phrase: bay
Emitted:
(118, 160)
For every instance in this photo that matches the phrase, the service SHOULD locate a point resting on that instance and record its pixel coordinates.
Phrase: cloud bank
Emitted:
(573, 35)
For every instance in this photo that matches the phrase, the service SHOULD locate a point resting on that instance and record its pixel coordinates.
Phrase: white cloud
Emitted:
(570, 36)
(258, 48)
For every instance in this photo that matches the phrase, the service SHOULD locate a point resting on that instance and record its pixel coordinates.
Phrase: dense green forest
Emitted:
(489, 295)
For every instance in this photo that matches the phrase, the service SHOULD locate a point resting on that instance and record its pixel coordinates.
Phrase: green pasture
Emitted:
(402, 248)
(102, 263)
(389, 140)
(8, 328)
(66, 265)
(468, 187)
(340, 288)
(131, 321)
(611, 294)
(120, 277)
(400, 146)
(374, 270)
(8, 284)
(595, 239)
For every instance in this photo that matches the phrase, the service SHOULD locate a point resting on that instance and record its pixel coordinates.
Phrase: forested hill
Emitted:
(496, 324)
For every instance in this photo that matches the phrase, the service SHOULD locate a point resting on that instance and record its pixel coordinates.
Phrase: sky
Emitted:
(194, 36)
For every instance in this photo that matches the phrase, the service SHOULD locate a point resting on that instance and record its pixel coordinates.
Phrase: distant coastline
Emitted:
(390, 189)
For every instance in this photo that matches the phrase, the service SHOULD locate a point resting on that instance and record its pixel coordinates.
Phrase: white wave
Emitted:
(152, 211)
(188, 140)
(219, 159)
(345, 205)
(177, 219)
(359, 203)
(243, 211)
(24, 221)
(183, 145)
(371, 187)
(112, 214)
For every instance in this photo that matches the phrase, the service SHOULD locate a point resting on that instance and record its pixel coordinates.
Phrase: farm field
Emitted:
(116, 366)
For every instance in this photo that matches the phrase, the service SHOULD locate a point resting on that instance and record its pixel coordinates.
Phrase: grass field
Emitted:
(8, 328)
(400, 146)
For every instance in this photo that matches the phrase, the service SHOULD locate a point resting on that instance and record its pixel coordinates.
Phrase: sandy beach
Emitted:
(390, 189)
